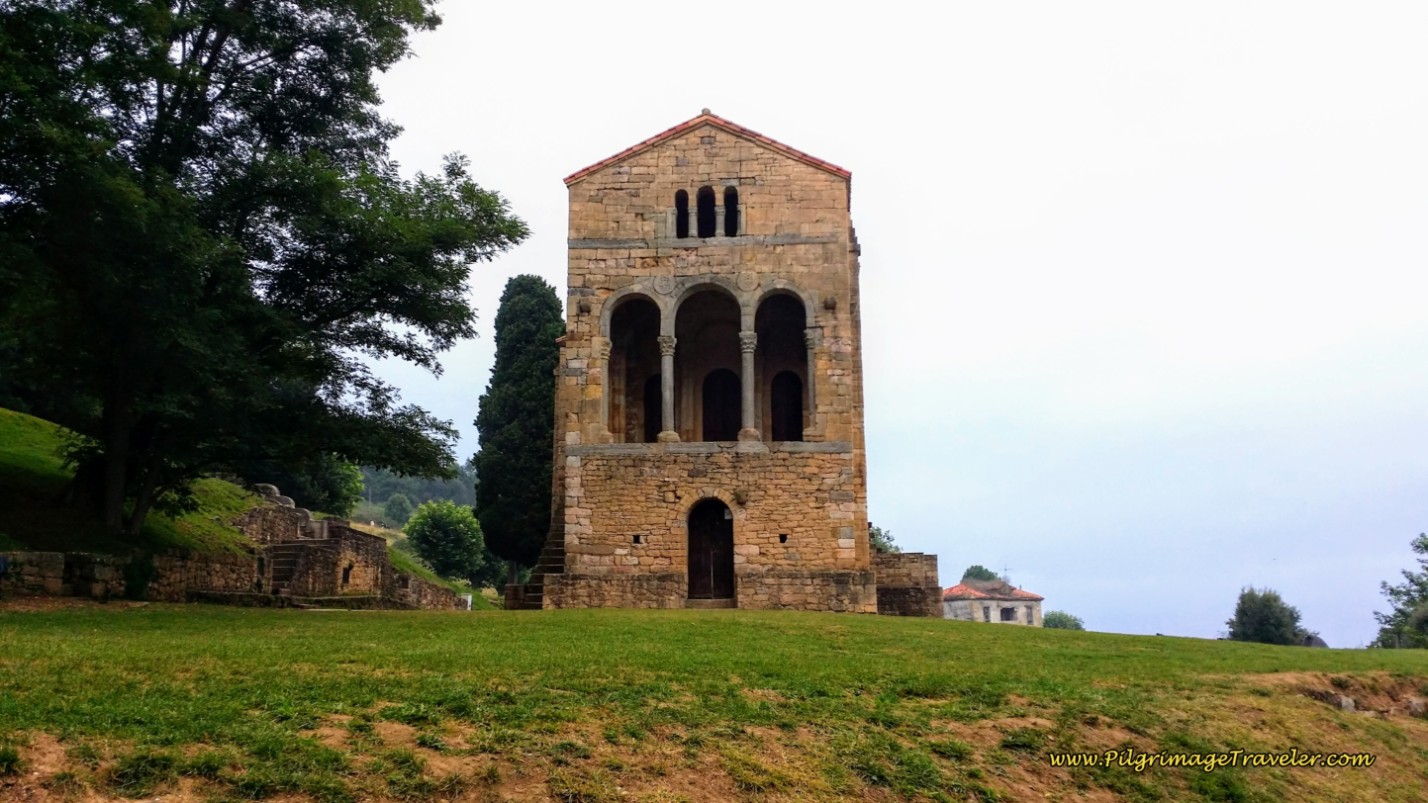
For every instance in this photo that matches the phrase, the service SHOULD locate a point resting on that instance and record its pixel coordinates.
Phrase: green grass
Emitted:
(613, 705)
(33, 480)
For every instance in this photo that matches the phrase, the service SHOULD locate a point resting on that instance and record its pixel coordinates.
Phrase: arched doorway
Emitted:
(711, 551)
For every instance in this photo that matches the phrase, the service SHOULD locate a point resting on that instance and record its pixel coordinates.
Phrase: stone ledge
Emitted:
(708, 447)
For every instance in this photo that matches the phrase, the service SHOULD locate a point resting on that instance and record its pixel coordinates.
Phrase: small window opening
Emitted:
(731, 212)
(681, 214)
(1008, 614)
(707, 217)
(347, 574)
(783, 538)
(637, 538)
(986, 613)
(1029, 618)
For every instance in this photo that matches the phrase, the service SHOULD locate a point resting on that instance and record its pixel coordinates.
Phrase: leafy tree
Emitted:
(978, 572)
(379, 485)
(398, 509)
(1407, 624)
(1262, 616)
(516, 423)
(448, 538)
(881, 540)
(203, 242)
(1061, 620)
(322, 482)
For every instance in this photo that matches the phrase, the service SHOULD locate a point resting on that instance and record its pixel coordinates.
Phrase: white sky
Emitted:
(1143, 286)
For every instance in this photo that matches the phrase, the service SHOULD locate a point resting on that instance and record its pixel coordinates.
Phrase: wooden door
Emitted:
(711, 551)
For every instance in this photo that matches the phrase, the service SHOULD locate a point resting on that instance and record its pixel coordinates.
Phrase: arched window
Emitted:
(681, 214)
(781, 365)
(707, 388)
(731, 212)
(721, 406)
(634, 363)
(786, 406)
(707, 217)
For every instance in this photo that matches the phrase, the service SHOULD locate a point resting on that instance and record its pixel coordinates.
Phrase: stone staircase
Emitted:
(283, 559)
(551, 561)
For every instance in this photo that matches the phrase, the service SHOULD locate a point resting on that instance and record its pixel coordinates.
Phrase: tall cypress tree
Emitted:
(516, 422)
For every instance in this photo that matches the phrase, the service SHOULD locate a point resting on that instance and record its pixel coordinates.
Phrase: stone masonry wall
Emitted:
(270, 524)
(178, 576)
(344, 561)
(793, 508)
(171, 577)
(907, 584)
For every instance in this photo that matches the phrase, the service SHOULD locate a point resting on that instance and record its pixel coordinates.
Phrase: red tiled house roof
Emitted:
(998, 591)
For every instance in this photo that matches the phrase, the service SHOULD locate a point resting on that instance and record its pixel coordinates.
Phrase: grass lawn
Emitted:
(216, 704)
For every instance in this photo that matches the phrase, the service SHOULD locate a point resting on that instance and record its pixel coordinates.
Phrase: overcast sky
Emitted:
(1144, 303)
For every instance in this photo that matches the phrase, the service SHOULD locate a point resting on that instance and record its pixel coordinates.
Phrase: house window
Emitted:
(986, 613)
(731, 212)
(1029, 618)
(707, 217)
(681, 214)
(1008, 614)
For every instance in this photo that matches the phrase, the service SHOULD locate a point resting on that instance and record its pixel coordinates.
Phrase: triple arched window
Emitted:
(708, 221)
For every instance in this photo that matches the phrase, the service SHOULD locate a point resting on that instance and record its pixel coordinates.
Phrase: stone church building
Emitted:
(709, 399)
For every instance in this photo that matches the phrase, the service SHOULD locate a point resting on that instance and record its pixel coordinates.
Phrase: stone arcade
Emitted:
(709, 400)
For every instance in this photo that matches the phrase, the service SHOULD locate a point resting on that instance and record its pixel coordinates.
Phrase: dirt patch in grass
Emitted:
(1372, 692)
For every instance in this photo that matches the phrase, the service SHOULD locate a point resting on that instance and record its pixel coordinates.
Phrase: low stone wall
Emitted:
(168, 577)
(414, 592)
(841, 591)
(907, 584)
(786, 589)
(664, 590)
(35, 573)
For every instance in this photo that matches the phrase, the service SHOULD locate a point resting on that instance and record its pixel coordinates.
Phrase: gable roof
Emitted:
(992, 591)
(708, 118)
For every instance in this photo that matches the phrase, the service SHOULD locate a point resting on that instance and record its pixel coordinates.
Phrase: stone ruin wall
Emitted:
(907, 584)
(340, 550)
(180, 576)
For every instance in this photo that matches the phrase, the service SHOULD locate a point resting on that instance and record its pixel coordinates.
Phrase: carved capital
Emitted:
(812, 337)
(748, 341)
(666, 345)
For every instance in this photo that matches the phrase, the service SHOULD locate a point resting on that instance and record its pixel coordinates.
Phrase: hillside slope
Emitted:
(601, 706)
(33, 516)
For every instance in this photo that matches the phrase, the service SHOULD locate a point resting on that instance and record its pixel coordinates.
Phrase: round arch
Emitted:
(698, 284)
(773, 287)
(630, 292)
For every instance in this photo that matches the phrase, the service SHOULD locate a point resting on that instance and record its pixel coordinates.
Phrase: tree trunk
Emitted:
(118, 438)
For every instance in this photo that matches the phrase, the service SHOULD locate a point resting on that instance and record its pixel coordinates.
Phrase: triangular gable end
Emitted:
(707, 118)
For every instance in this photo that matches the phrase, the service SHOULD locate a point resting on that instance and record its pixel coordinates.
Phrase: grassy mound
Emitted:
(32, 482)
(235, 704)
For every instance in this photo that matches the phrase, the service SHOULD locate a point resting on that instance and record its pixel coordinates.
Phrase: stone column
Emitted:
(748, 341)
(666, 389)
(812, 337)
